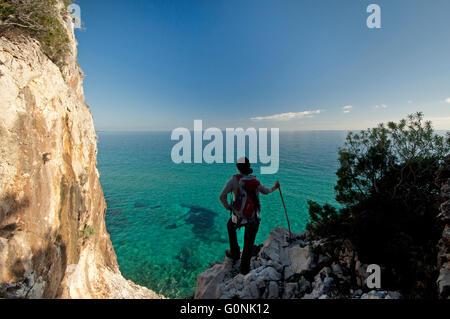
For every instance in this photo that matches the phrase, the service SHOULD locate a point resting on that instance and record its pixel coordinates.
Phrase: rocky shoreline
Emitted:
(310, 268)
(300, 268)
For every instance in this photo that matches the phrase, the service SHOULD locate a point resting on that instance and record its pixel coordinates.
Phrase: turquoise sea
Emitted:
(165, 220)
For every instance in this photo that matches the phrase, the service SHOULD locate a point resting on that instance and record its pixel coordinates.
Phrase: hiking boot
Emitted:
(230, 255)
(244, 270)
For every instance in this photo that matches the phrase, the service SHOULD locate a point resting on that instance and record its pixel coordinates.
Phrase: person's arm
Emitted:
(264, 190)
(223, 196)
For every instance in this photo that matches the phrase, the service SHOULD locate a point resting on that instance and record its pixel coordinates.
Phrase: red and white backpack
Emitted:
(246, 206)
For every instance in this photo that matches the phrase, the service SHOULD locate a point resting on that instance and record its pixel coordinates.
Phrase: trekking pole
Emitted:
(231, 205)
(285, 211)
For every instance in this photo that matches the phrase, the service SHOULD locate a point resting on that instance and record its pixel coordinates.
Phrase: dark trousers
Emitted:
(249, 240)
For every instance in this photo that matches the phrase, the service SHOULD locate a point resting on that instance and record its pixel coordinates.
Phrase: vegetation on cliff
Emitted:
(39, 19)
(386, 186)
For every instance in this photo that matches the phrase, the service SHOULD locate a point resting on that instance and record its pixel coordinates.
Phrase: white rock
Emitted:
(301, 259)
(274, 243)
(209, 282)
(251, 291)
(270, 274)
(273, 290)
(322, 284)
(290, 290)
(288, 273)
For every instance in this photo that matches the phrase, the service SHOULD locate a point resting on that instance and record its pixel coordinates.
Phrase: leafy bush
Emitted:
(39, 19)
(326, 220)
(386, 185)
(87, 233)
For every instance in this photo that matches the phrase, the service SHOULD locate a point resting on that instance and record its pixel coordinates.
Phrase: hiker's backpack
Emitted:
(246, 205)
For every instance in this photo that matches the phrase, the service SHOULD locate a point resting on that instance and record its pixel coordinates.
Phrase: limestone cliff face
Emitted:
(53, 239)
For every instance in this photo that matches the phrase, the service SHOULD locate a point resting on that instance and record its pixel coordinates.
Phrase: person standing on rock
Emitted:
(245, 210)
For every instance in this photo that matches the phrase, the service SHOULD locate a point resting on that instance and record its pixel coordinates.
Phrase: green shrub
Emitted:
(386, 185)
(87, 233)
(326, 220)
(39, 19)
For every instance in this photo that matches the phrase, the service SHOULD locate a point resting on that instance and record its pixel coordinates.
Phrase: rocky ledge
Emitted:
(443, 262)
(300, 268)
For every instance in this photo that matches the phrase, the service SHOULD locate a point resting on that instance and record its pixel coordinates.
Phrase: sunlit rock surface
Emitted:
(53, 239)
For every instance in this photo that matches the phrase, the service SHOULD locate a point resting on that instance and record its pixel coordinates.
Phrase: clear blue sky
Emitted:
(158, 65)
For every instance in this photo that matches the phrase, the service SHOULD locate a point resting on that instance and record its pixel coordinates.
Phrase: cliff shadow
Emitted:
(44, 278)
(10, 206)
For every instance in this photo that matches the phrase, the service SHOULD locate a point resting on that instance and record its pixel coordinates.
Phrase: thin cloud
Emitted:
(447, 100)
(440, 122)
(287, 116)
(381, 106)
(347, 108)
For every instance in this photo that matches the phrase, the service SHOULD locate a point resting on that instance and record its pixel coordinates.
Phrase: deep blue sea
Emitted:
(165, 220)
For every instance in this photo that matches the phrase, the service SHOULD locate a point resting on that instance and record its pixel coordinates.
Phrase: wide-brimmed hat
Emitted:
(243, 165)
